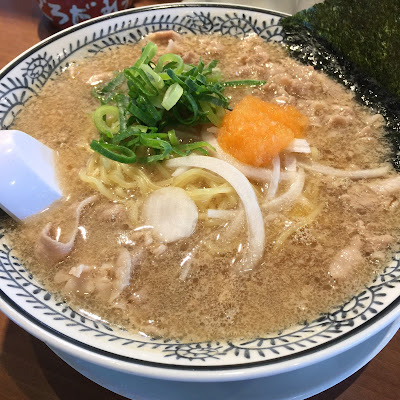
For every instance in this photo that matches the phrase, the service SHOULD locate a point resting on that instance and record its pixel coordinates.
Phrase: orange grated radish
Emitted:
(256, 131)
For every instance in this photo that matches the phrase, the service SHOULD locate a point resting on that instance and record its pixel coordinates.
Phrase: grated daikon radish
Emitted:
(258, 174)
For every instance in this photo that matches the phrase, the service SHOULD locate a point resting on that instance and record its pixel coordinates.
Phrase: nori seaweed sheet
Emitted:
(367, 31)
(308, 47)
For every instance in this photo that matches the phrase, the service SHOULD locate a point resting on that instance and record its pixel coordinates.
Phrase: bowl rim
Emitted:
(164, 371)
(134, 10)
(160, 370)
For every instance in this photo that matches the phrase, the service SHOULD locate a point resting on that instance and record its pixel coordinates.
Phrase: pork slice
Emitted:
(346, 259)
(377, 242)
(77, 279)
(190, 57)
(50, 249)
(115, 213)
(340, 121)
(79, 270)
(374, 241)
(389, 186)
(163, 37)
(112, 279)
(122, 273)
(172, 47)
(364, 197)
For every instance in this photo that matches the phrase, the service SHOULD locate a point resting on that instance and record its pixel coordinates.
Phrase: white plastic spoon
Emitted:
(28, 182)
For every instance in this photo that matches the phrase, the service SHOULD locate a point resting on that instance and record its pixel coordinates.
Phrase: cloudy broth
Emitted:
(293, 282)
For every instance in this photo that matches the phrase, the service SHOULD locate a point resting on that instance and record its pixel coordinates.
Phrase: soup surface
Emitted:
(321, 246)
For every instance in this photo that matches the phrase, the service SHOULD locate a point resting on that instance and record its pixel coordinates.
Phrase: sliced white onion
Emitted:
(186, 266)
(221, 214)
(274, 182)
(258, 174)
(246, 193)
(290, 196)
(290, 162)
(160, 249)
(172, 214)
(179, 171)
(213, 130)
(341, 173)
(298, 146)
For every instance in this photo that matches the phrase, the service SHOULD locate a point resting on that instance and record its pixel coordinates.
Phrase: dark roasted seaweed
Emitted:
(366, 31)
(306, 46)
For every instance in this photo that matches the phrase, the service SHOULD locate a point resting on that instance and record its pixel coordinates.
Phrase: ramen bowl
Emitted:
(84, 341)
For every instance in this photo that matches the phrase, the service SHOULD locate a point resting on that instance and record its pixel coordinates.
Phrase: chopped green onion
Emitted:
(196, 145)
(214, 114)
(213, 100)
(148, 52)
(156, 79)
(141, 82)
(141, 115)
(172, 96)
(193, 107)
(167, 59)
(172, 138)
(245, 82)
(114, 152)
(105, 115)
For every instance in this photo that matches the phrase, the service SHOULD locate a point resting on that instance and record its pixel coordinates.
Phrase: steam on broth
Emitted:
(328, 231)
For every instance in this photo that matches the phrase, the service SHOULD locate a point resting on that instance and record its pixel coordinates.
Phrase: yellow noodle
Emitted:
(98, 185)
(225, 242)
(195, 174)
(120, 192)
(212, 222)
(92, 163)
(147, 181)
(163, 170)
(104, 174)
(298, 225)
(107, 164)
(204, 194)
(117, 181)
(203, 216)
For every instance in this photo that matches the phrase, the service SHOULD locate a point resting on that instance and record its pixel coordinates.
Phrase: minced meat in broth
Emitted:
(358, 224)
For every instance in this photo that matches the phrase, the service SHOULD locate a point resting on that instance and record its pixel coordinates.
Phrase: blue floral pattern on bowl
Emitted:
(24, 79)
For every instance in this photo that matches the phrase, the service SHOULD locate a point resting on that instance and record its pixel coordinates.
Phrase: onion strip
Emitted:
(298, 225)
(221, 214)
(298, 146)
(341, 173)
(290, 196)
(246, 193)
(290, 162)
(275, 177)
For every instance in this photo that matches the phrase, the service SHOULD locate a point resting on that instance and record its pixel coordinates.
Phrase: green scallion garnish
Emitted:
(143, 101)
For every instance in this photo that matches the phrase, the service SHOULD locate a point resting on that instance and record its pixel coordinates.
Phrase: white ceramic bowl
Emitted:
(94, 343)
